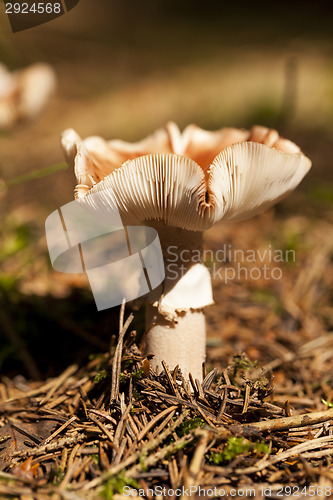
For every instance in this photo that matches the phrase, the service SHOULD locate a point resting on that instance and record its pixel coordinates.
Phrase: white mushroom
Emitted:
(24, 93)
(36, 84)
(182, 184)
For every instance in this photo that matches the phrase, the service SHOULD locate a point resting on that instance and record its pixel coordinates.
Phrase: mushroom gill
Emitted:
(182, 184)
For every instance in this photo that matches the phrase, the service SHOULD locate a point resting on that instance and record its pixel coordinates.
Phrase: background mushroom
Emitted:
(182, 184)
(25, 92)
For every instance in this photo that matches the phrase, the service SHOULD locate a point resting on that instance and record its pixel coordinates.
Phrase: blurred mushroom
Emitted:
(182, 184)
(24, 93)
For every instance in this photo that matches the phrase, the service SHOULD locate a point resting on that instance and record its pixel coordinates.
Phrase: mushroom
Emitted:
(182, 184)
(24, 93)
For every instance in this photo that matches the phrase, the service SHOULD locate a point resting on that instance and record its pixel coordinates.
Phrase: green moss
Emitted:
(237, 446)
(101, 375)
(141, 462)
(116, 485)
(96, 458)
(127, 365)
(177, 447)
(59, 474)
(241, 362)
(138, 375)
(189, 425)
(126, 374)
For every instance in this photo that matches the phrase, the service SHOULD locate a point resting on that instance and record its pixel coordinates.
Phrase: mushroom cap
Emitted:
(6, 82)
(24, 93)
(36, 84)
(190, 180)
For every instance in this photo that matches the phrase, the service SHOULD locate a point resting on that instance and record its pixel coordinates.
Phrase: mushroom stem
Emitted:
(174, 319)
(180, 342)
